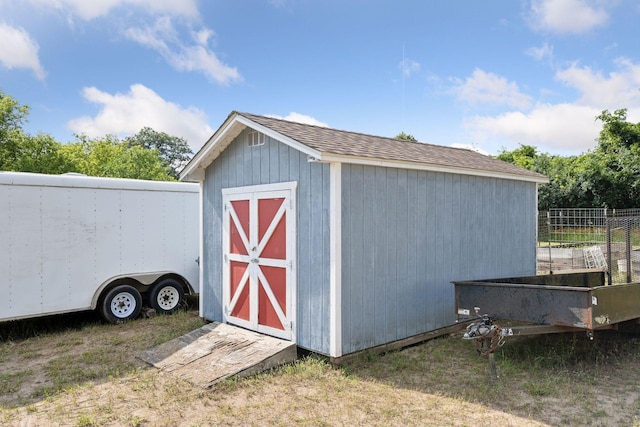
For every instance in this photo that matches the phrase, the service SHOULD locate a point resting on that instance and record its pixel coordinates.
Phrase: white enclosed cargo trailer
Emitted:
(71, 243)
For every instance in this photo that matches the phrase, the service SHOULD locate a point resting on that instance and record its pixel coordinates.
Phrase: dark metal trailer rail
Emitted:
(577, 300)
(550, 303)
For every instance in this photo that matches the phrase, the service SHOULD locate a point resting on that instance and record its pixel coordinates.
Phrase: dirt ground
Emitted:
(89, 376)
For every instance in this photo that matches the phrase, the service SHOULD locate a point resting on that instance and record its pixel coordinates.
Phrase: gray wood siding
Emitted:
(407, 234)
(240, 165)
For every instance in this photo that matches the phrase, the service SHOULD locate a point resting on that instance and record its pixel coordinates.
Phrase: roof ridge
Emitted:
(245, 114)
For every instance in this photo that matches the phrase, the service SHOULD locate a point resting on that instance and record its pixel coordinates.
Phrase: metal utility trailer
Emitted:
(551, 303)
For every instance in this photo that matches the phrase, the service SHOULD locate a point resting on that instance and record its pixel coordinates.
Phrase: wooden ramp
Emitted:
(217, 351)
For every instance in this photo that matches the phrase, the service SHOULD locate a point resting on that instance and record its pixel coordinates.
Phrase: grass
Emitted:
(10, 382)
(89, 376)
(79, 348)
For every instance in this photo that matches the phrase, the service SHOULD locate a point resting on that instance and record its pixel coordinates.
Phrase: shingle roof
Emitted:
(346, 143)
(326, 144)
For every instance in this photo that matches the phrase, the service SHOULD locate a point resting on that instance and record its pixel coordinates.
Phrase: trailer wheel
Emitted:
(166, 296)
(120, 304)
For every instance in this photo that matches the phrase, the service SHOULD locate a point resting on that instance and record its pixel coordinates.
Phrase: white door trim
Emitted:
(253, 275)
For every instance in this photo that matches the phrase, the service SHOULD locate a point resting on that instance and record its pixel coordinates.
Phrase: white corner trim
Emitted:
(335, 257)
(201, 250)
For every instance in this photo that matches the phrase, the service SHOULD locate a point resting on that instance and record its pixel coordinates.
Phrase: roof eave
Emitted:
(220, 140)
(369, 161)
(194, 170)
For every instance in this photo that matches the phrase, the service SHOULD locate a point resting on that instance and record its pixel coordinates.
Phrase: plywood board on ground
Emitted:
(218, 351)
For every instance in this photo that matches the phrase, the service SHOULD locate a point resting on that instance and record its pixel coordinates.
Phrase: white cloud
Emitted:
(19, 50)
(618, 89)
(539, 53)
(300, 118)
(125, 114)
(91, 9)
(569, 126)
(567, 16)
(488, 88)
(559, 127)
(164, 39)
(408, 67)
(181, 52)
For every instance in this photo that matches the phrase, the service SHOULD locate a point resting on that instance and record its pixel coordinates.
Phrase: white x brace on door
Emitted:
(259, 235)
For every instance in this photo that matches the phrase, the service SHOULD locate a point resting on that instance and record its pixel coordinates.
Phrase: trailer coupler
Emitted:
(486, 336)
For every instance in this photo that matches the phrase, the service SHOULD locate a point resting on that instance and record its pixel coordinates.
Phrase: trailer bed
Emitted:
(575, 299)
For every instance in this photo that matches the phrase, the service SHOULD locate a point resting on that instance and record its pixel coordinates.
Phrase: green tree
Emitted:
(406, 137)
(39, 154)
(109, 157)
(611, 173)
(174, 151)
(524, 156)
(617, 133)
(12, 114)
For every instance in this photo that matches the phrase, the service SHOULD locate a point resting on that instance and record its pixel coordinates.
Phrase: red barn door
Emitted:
(259, 257)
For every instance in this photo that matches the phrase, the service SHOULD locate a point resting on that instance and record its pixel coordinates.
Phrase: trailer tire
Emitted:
(120, 304)
(166, 296)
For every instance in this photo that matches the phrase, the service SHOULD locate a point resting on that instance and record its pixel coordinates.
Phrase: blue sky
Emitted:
(481, 74)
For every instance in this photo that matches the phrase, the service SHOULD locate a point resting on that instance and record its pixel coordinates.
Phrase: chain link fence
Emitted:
(575, 239)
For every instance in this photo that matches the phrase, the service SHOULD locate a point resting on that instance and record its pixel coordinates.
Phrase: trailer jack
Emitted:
(487, 337)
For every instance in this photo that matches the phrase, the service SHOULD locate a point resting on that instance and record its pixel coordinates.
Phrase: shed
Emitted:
(341, 241)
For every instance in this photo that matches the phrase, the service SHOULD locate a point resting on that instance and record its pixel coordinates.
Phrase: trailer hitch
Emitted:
(487, 337)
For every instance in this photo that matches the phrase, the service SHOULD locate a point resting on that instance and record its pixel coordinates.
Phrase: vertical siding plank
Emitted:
(389, 332)
(440, 237)
(236, 156)
(431, 260)
(381, 247)
(355, 249)
(448, 312)
(317, 259)
(449, 235)
(412, 310)
(368, 256)
(284, 163)
(274, 160)
(324, 287)
(245, 169)
(264, 162)
(464, 227)
(423, 251)
(401, 253)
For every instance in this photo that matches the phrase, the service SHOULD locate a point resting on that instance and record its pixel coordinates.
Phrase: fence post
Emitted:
(627, 238)
(549, 240)
(608, 237)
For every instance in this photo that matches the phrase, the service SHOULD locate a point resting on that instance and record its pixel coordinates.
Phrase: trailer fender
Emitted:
(140, 281)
